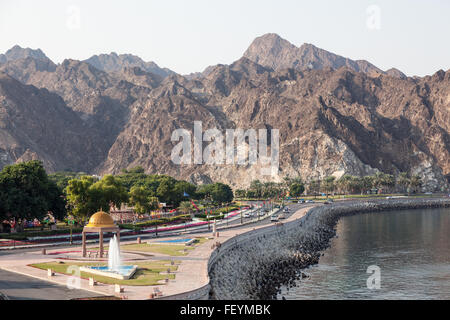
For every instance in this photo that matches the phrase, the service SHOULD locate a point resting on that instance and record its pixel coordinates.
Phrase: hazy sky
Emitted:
(189, 35)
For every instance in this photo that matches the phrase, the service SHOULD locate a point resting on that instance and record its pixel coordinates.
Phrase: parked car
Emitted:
(309, 201)
(301, 201)
(247, 215)
(274, 218)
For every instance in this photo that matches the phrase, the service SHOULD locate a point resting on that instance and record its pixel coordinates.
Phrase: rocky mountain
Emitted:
(37, 124)
(18, 53)
(115, 63)
(270, 50)
(332, 120)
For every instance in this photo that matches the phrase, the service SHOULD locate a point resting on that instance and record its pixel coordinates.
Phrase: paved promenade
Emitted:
(192, 272)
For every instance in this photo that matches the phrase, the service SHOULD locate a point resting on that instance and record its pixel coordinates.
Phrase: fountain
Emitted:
(115, 269)
(114, 261)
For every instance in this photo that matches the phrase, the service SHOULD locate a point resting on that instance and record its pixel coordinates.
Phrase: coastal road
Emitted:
(233, 223)
(19, 287)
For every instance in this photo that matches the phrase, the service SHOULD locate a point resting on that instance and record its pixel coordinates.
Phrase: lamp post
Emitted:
(228, 216)
(240, 209)
(71, 222)
(209, 221)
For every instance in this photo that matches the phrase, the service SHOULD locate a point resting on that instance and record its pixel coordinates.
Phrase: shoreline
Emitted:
(276, 256)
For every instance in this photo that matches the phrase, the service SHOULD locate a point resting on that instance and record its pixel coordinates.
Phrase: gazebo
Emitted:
(100, 222)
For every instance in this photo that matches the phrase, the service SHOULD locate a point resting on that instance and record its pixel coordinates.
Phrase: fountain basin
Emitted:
(122, 273)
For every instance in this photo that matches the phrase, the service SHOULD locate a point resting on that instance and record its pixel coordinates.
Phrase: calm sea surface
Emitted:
(411, 249)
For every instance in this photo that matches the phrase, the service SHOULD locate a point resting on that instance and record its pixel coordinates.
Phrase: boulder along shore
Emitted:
(256, 268)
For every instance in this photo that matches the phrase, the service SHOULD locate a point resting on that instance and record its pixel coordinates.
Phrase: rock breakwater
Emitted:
(254, 266)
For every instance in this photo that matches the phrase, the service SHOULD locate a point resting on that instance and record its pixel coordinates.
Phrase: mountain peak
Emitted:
(271, 50)
(18, 53)
(115, 63)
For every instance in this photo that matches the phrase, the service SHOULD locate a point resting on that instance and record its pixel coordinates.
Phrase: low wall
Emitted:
(197, 294)
(256, 264)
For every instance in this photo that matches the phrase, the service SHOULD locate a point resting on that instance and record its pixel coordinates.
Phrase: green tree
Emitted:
(87, 195)
(204, 191)
(182, 187)
(344, 183)
(222, 193)
(367, 183)
(142, 200)
(314, 186)
(217, 192)
(250, 194)
(257, 187)
(133, 177)
(27, 193)
(388, 182)
(62, 178)
(355, 184)
(403, 181)
(80, 199)
(165, 190)
(185, 207)
(415, 183)
(296, 189)
(240, 193)
(108, 191)
(329, 184)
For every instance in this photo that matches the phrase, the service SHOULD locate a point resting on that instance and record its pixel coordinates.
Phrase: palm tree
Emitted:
(388, 181)
(355, 184)
(257, 187)
(329, 184)
(415, 183)
(344, 183)
(367, 182)
(403, 180)
(185, 207)
(314, 187)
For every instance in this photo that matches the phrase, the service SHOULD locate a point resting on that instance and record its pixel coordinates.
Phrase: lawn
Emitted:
(168, 249)
(148, 273)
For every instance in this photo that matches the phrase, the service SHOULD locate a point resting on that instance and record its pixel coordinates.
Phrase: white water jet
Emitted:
(114, 260)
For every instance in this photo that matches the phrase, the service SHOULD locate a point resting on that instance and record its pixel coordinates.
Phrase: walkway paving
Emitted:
(19, 287)
(192, 272)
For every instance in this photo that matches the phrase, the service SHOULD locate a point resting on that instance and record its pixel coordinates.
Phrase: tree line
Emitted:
(28, 192)
(347, 184)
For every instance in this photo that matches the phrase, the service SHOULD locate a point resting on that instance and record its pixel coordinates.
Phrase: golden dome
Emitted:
(101, 220)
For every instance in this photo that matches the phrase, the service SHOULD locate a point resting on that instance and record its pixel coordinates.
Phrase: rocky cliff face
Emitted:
(338, 117)
(37, 124)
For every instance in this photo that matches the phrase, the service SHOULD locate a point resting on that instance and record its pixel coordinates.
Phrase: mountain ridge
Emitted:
(272, 51)
(332, 121)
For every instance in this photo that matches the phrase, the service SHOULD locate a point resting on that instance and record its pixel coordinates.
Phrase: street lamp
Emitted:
(228, 216)
(240, 209)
